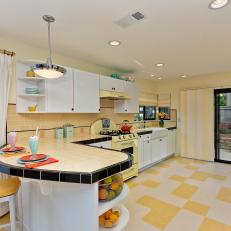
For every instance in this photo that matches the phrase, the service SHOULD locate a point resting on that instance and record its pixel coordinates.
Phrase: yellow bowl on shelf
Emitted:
(32, 108)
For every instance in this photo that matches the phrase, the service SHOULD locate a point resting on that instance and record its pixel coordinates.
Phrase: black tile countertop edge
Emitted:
(64, 176)
(96, 140)
(144, 133)
(171, 128)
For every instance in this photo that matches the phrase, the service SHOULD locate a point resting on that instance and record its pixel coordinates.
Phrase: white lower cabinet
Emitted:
(171, 141)
(144, 151)
(147, 152)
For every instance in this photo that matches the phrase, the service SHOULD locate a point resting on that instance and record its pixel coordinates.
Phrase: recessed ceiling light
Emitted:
(114, 43)
(159, 78)
(160, 64)
(183, 76)
(216, 4)
(152, 75)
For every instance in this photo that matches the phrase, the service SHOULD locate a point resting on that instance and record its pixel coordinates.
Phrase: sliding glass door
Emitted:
(223, 125)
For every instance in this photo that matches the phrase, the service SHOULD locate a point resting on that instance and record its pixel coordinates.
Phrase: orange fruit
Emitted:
(108, 224)
(117, 213)
(114, 186)
(102, 220)
(107, 214)
(113, 218)
(102, 194)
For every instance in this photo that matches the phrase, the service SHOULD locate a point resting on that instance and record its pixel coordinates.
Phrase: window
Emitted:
(147, 113)
(167, 111)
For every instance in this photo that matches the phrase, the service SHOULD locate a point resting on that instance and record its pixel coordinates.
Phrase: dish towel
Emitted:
(46, 162)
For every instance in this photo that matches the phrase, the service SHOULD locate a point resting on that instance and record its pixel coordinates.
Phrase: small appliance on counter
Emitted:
(122, 140)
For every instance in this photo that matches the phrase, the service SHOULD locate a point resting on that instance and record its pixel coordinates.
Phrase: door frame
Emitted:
(216, 122)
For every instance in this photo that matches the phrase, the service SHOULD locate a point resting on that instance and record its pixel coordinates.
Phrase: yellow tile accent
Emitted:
(218, 177)
(150, 183)
(213, 225)
(191, 167)
(178, 178)
(224, 194)
(196, 207)
(201, 176)
(185, 191)
(163, 165)
(161, 212)
(152, 171)
(132, 184)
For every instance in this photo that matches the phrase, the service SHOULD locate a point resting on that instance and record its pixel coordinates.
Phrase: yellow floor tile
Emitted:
(201, 176)
(213, 225)
(161, 212)
(184, 161)
(178, 178)
(224, 194)
(196, 207)
(185, 191)
(150, 183)
(163, 165)
(132, 184)
(191, 167)
(218, 177)
(199, 162)
(152, 171)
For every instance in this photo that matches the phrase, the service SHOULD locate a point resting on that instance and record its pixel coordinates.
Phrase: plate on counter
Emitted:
(33, 158)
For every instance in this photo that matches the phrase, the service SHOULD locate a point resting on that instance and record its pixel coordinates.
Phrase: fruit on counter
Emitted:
(111, 195)
(109, 218)
(114, 186)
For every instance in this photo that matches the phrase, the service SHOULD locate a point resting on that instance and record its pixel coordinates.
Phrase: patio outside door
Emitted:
(223, 125)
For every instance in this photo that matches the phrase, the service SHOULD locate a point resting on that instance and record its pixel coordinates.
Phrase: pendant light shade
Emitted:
(48, 70)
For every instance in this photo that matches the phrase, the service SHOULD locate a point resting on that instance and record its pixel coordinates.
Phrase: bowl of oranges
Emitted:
(110, 218)
(110, 187)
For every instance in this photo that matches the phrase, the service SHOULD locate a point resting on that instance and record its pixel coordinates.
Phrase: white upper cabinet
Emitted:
(60, 93)
(86, 92)
(131, 105)
(110, 84)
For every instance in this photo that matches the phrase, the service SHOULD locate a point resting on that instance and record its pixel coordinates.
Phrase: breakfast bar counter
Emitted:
(64, 195)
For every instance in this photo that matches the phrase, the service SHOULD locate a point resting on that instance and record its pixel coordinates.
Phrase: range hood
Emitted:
(113, 95)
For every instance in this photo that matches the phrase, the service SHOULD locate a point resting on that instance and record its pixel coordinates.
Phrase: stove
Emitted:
(113, 132)
(121, 141)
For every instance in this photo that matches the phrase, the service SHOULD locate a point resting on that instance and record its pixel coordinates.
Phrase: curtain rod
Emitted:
(11, 53)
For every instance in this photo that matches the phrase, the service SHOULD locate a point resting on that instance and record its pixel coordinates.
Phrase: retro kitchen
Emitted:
(115, 115)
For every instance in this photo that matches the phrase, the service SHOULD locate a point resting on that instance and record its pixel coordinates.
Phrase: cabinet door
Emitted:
(163, 147)
(86, 92)
(140, 153)
(60, 93)
(110, 84)
(131, 105)
(171, 142)
(147, 152)
(156, 150)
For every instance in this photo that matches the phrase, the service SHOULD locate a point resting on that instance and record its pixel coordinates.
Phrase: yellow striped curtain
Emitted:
(197, 124)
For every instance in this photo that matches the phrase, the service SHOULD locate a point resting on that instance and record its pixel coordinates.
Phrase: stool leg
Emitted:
(12, 205)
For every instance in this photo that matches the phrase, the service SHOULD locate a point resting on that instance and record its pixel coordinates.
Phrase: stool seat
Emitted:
(9, 186)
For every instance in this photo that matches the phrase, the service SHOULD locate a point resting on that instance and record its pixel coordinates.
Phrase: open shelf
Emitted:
(33, 95)
(105, 206)
(32, 78)
(123, 220)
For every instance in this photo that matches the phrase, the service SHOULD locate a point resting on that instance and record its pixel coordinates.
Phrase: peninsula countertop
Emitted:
(78, 163)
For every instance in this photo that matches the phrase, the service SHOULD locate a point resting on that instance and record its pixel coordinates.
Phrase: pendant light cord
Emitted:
(49, 61)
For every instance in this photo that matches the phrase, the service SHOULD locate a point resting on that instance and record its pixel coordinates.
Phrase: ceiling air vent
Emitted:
(138, 15)
(130, 19)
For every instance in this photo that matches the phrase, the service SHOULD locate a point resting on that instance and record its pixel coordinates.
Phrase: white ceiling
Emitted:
(184, 34)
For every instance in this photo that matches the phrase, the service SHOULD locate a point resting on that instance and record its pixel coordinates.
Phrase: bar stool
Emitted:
(8, 189)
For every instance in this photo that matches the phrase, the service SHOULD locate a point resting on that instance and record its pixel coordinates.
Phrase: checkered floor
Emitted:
(181, 194)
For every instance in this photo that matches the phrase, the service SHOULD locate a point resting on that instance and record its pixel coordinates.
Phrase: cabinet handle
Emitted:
(99, 109)
(160, 139)
(126, 110)
(72, 109)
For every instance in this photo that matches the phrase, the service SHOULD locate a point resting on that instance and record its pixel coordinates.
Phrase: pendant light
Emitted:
(48, 70)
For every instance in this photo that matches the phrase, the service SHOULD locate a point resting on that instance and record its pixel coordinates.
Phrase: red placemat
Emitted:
(10, 149)
(46, 162)
(30, 158)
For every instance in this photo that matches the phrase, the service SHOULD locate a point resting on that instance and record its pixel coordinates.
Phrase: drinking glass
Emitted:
(11, 138)
(33, 144)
